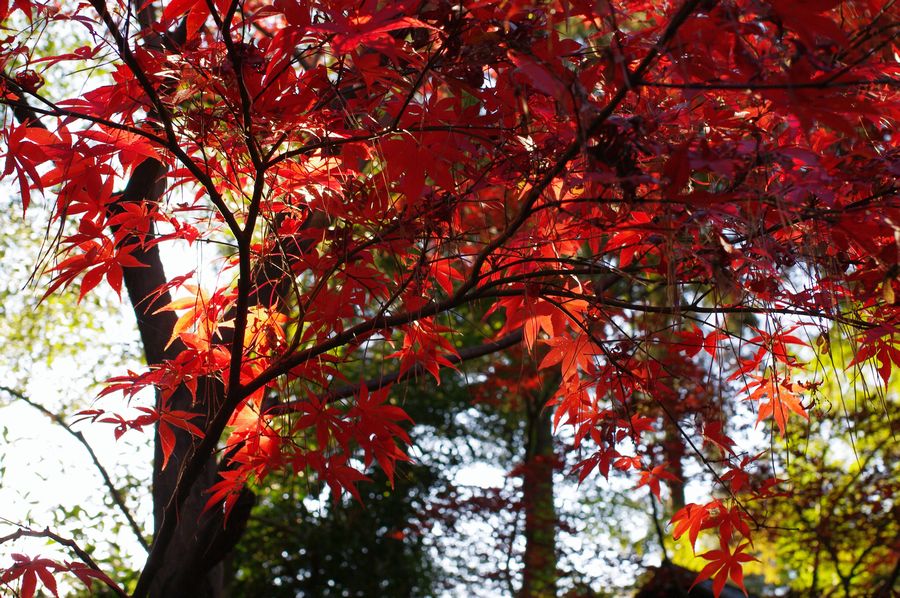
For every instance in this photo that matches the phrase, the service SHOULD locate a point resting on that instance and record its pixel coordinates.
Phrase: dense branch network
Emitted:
(638, 195)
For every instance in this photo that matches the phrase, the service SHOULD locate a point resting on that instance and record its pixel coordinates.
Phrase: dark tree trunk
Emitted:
(540, 575)
(191, 568)
(674, 449)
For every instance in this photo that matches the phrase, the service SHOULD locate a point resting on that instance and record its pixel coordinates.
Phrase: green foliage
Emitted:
(298, 546)
(837, 533)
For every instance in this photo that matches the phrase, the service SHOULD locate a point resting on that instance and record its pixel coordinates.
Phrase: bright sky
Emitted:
(55, 354)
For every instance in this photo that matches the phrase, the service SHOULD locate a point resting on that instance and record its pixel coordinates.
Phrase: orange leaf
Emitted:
(781, 399)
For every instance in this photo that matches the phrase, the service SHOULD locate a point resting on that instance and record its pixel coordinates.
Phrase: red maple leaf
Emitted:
(651, 478)
(692, 518)
(572, 353)
(30, 570)
(725, 564)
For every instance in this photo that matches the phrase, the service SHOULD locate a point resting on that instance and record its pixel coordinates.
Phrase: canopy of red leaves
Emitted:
(626, 184)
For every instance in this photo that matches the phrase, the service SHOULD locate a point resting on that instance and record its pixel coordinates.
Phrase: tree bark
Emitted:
(539, 575)
(674, 450)
(192, 567)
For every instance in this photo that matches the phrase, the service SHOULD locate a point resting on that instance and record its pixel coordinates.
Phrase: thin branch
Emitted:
(134, 66)
(73, 546)
(665, 409)
(574, 148)
(234, 57)
(750, 86)
(164, 116)
(660, 536)
(471, 130)
(107, 480)
(607, 301)
(373, 384)
(25, 112)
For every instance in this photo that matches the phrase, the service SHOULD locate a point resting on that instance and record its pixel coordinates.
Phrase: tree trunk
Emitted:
(191, 568)
(674, 449)
(539, 576)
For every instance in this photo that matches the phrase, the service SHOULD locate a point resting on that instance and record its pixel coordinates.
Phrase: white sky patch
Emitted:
(480, 475)
(56, 354)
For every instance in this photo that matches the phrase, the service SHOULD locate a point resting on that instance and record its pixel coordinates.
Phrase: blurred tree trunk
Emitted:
(540, 575)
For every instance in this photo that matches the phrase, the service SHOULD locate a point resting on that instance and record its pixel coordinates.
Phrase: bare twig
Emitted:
(107, 480)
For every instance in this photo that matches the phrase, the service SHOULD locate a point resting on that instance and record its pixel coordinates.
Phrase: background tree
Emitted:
(841, 468)
(46, 380)
(376, 167)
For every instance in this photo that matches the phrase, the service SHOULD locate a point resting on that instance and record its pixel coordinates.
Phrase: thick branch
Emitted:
(23, 112)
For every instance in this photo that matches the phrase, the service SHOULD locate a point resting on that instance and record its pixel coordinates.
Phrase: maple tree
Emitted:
(656, 199)
(843, 528)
